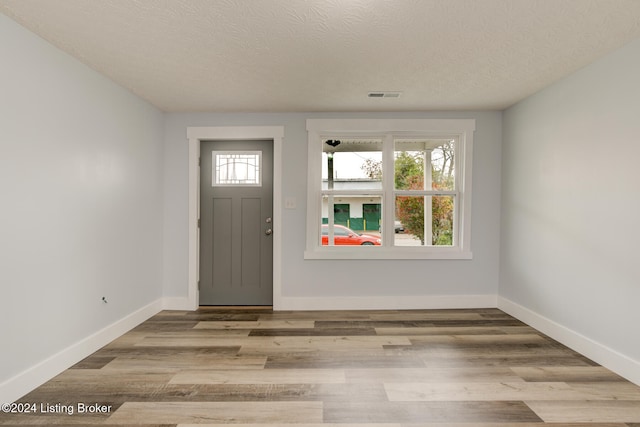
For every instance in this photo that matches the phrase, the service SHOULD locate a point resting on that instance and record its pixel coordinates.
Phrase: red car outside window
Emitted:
(345, 236)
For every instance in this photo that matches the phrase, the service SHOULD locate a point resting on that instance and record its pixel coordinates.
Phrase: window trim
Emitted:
(460, 129)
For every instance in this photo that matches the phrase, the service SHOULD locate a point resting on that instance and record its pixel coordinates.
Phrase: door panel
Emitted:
(220, 269)
(236, 252)
(251, 236)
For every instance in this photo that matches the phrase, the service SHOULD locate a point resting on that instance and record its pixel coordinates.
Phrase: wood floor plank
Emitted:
(257, 324)
(445, 330)
(334, 324)
(180, 362)
(142, 352)
(99, 376)
(517, 355)
(487, 350)
(462, 361)
(25, 420)
(266, 376)
(593, 411)
(200, 333)
(93, 362)
(222, 316)
(422, 315)
(618, 390)
(340, 359)
(313, 332)
(421, 412)
(270, 345)
(264, 393)
(431, 375)
(218, 412)
(116, 394)
(339, 315)
(497, 391)
(233, 342)
(127, 340)
(166, 325)
(479, 340)
(276, 344)
(566, 373)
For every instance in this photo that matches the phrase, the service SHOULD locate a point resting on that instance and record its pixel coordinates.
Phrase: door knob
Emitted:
(268, 232)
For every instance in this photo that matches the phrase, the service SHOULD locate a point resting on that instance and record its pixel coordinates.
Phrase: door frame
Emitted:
(230, 133)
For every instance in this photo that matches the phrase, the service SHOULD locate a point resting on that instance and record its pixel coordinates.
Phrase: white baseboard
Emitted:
(599, 353)
(16, 387)
(387, 302)
(178, 303)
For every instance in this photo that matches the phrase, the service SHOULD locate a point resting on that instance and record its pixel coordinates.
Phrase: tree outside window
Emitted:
(410, 174)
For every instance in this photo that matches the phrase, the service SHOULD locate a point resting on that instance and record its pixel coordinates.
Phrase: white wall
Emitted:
(571, 207)
(323, 282)
(81, 206)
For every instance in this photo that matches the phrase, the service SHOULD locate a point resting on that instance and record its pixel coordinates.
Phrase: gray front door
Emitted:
(236, 205)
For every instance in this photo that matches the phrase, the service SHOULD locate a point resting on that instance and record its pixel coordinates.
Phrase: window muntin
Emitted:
(237, 168)
(441, 189)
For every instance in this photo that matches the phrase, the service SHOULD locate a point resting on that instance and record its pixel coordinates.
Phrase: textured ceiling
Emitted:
(326, 55)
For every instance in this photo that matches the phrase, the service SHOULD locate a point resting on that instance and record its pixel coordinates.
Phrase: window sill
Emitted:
(374, 253)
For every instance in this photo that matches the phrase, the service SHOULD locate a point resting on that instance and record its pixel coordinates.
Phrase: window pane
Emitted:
(424, 164)
(443, 166)
(414, 227)
(349, 164)
(236, 168)
(356, 218)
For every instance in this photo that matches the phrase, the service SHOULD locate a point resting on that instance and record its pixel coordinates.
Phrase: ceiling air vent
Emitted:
(384, 94)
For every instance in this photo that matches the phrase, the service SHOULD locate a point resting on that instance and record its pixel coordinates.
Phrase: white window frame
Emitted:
(459, 129)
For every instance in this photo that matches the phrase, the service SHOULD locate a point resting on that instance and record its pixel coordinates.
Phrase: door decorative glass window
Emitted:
(231, 168)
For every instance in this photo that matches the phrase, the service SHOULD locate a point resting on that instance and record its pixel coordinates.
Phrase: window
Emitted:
(389, 189)
(231, 168)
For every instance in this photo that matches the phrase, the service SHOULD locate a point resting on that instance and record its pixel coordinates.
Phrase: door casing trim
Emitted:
(230, 133)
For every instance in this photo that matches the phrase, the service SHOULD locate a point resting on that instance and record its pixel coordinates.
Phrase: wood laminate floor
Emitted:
(259, 368)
